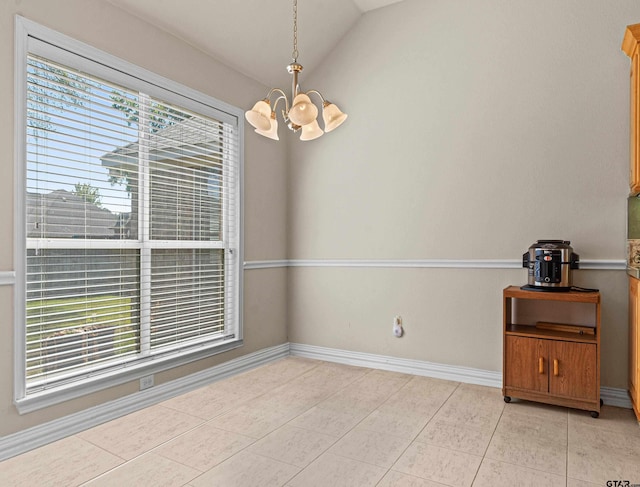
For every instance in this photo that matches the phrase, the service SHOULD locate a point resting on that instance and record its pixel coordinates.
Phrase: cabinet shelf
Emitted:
(533, 332)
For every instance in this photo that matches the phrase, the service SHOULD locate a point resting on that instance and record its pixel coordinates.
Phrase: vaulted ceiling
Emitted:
(255, 37)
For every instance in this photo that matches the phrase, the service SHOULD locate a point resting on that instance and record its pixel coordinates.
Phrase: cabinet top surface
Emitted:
(572, 296)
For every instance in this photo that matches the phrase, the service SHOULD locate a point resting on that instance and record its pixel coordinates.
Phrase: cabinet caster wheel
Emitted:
(595, 414)
(507, 399)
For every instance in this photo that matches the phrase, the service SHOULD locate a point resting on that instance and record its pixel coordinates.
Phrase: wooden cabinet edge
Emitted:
(633, 393)
(631, 39)
(545, 398)
(631, 47)
(568, 296)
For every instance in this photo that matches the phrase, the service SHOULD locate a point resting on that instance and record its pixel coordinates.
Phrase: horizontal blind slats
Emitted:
(87, 171)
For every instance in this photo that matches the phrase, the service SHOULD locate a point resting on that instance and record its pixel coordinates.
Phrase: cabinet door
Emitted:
(572, 370)
(634, 341)
(634, 124)
(526, 364)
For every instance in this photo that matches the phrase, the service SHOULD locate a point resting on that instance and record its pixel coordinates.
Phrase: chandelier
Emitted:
(301, 114)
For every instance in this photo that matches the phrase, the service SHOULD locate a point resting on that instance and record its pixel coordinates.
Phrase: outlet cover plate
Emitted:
(146, 382)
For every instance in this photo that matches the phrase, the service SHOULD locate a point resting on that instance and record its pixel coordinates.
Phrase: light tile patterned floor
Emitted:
(306, 423)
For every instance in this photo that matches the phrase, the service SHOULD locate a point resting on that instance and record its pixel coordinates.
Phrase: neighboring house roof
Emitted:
(61, 214)
(178, 154)
(188, 138)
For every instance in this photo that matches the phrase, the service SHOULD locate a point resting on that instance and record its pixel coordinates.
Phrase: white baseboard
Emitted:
(394, 364)
(615, 397)
(610, 396)
(37, 436)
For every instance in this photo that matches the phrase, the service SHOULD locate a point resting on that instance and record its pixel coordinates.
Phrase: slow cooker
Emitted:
(550, 263)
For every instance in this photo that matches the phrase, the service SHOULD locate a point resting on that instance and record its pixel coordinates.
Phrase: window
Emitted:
(130, 222)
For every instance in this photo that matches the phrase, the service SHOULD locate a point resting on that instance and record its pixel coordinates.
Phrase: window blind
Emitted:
(131, 226)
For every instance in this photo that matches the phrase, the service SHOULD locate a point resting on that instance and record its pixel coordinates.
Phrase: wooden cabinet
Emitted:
(552, 347)
(634, 344)
(630, 45)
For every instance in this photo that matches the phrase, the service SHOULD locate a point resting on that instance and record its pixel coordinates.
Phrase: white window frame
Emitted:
(37, 39)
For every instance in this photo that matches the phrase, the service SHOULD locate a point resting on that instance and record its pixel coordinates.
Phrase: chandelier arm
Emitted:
(275, 90)
(281, 97)
(317, 93)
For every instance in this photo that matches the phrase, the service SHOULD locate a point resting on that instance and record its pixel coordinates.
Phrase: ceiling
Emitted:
(255, 37)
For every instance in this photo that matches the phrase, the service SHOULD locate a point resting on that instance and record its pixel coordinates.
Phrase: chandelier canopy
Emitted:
(299, 115)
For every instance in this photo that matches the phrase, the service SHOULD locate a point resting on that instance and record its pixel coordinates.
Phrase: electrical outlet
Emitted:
(397, 326)
(146, 382)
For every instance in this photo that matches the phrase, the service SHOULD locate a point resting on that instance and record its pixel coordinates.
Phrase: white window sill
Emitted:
(133, 371)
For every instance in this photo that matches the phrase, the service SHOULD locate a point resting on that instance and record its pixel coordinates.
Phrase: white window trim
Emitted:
(25, 29)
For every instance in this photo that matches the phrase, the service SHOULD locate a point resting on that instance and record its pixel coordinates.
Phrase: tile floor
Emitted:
(305, 423)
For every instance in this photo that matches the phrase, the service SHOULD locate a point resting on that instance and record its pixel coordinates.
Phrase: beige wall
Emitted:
(475, 128)
(100, 24)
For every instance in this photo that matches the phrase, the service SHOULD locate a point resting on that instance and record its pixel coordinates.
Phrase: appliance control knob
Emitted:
(547, 279)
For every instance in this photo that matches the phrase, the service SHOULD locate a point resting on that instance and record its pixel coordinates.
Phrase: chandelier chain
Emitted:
(294, 54)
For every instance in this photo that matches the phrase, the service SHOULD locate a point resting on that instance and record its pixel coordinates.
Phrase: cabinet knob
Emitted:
(541, 365)
(555, 367)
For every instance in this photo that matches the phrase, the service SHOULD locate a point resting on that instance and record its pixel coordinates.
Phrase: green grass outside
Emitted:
(91, 316)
